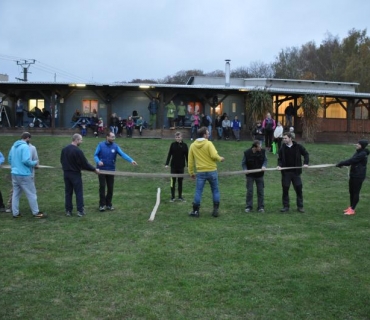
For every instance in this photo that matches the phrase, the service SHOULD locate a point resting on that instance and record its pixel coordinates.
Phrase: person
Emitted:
(268, 125)
(236, 126)
(121, 125)
(203, 155)
(258, 132)
(76, 116)
(289, 113)
(19, 113)
(73, 161)
(357, 174)
(130, 124)
(178, 156)
(195, 122)
(34, 157)
(153, 108)
(94, 124)
(105, 158)
(181, 112)
(140, 124)
(83, 128)
(22, 166)
(291, 130)
(171, 109)
(226, 127)
(218, 125)
(2, 205)
(206, 121)
(278, 135)
(113, 125)
(290, 155)
(255, 158)
(100, 125)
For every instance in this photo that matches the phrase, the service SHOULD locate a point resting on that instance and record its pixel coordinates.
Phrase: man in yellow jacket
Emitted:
(203, 155)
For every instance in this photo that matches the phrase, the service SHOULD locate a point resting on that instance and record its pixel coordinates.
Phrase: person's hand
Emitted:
(97, 171)
(338, 166)
(100, 163)
(263, 168)
(222, 159)
(305, 166)
(278, 167)
(192, 176)
(166, 166)
(134, 163)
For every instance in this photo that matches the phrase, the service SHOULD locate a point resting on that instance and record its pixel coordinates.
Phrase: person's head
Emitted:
(290, 104)
(110, 136)
(278, 123)
(236, 118)
(26, 136)
(287, 138)
(226, 118)
(76, 139)
(181, 102)
(291, 129)
(268, 115)
(362, 144)
(256, 145)
(178, 136)
(258, 123)
(203, 132)
(114, 115)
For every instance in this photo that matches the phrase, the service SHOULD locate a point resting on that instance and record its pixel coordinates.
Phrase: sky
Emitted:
(107, 41)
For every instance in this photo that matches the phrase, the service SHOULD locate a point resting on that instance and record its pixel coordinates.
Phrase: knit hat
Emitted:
(363, 143)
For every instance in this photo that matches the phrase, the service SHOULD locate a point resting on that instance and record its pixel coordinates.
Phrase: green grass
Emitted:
(117, 265)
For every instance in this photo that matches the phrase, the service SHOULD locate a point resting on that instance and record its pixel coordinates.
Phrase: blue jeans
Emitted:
(24, 184)
(194, 130)
(220, 131)
(212, 178)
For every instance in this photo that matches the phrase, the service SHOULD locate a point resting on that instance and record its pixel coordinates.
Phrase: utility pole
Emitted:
(25, 65)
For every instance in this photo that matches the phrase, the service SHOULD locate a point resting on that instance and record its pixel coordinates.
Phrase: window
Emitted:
(88, 106)
(33, 103)
(218, 109)
(194, 106)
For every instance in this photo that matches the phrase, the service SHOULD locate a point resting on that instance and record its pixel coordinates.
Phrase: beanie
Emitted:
(363, 143)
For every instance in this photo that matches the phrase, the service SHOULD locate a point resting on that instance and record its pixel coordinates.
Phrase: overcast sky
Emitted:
(120, 40)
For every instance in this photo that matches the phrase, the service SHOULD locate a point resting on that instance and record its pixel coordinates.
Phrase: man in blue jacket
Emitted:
(21, 168)
(105, 158)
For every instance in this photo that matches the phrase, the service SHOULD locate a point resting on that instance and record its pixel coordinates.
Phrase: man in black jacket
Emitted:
(255, 158)
(357, 174)
(290, 155)
(178, 154)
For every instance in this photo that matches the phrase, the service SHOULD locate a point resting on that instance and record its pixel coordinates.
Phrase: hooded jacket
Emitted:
(107, 153)
(203, 155)
(20, 159)
(358, 164)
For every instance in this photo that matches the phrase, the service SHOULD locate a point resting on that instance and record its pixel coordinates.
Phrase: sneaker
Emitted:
(68, 213)
(17, 216)
(345, 210)
(40, 215)
(181, 199)
(102, 208)
(172, 200)
(301, 210)
(111, 208)
(248, 210)
(8, 210)
(261, 210)
(194, 214)
(81, 214)
(350, 212)
(285, 209)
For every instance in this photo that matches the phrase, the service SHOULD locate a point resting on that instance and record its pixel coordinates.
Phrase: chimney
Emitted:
(227, 73)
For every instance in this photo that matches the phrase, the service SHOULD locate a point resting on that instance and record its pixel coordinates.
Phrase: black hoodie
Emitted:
(358, 163)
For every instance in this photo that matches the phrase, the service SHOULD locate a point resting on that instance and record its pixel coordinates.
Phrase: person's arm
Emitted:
(2, 159)
(305, 155)
(191, 163)
(169, 156)
(244, 162)
(264, 164)
(357, 158)
(125, 156)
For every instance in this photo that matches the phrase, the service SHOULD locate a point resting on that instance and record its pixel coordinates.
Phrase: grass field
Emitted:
(117, 265)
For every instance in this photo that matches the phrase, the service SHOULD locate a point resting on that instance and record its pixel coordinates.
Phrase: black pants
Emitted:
(173, 182)
(260, 192)
(354, 191)
(73, 182)
(106, 199)
(286, 179)
(268, 138)
(1, 201)
(182, 120)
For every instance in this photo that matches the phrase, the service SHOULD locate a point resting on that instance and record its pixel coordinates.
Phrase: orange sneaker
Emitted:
(349, 212)
(345, 210)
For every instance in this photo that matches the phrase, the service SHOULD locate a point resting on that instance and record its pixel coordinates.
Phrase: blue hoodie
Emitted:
(1, 159)
(20, 159)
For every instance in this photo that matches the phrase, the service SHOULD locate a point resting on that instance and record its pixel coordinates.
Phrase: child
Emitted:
(139, 124)
(291, 130)
(100, 125)
(258, 132)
